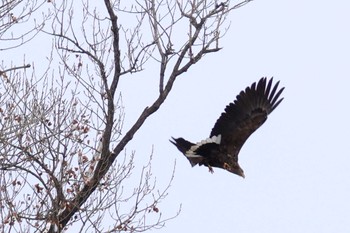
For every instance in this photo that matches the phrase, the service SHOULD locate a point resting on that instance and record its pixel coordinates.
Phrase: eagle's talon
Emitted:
(211, 169)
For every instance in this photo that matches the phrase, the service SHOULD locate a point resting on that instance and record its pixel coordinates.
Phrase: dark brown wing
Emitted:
(246, 114)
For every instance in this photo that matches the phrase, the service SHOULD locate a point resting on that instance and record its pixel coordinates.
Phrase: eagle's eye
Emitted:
(226, 166)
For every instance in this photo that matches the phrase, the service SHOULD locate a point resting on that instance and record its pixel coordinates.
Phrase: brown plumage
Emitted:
(239, 120)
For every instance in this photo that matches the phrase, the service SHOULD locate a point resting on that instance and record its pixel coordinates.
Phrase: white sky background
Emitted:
(297, 165)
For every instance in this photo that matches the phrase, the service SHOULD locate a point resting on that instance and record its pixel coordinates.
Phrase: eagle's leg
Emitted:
(210, 169)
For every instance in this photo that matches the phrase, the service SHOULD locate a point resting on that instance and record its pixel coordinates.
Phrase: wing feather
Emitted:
(247, 113)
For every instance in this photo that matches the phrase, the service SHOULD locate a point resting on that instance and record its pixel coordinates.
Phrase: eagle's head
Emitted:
(234, 168)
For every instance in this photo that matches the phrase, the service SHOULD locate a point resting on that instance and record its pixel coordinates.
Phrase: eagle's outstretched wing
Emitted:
(246, 114)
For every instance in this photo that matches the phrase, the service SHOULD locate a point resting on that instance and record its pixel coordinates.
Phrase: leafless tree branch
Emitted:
(62, 132)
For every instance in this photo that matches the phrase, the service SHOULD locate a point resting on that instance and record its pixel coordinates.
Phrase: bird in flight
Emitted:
(239, 120)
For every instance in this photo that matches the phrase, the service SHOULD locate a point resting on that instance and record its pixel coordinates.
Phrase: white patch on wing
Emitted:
(191, 152)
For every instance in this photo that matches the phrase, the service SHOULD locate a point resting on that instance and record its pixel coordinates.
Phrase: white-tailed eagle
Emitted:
(239, 120)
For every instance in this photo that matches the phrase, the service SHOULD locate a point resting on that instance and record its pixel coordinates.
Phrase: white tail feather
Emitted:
(191, 152)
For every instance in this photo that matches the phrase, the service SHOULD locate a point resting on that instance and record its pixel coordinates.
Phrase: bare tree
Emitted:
(61, 133)
(13, 15)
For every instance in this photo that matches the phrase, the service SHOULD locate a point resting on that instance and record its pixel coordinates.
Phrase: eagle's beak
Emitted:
(236, 170)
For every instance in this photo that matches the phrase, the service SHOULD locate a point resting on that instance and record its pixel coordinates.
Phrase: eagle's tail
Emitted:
(181, 144)
(185, 146)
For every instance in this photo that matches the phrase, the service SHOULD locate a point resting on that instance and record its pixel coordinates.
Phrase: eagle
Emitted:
(239, 120)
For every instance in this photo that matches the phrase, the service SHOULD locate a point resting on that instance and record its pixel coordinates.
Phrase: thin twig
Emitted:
(15, 68)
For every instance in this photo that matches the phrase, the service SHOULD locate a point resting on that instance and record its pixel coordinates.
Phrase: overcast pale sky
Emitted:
(297, 165)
